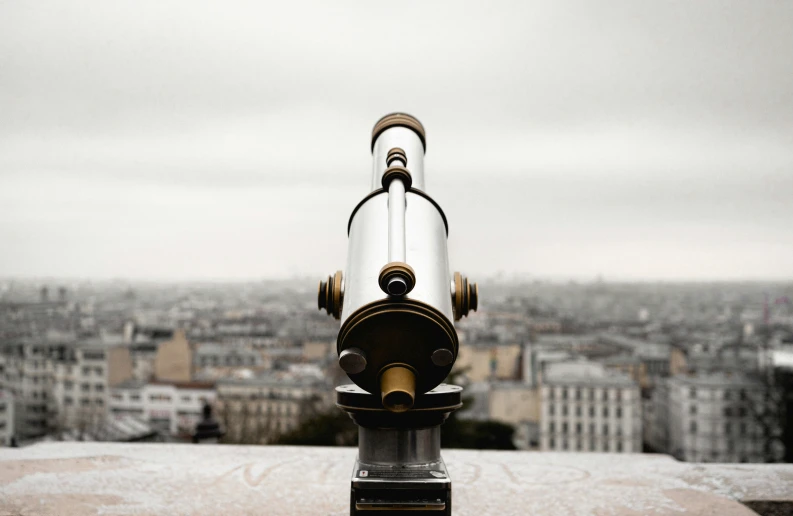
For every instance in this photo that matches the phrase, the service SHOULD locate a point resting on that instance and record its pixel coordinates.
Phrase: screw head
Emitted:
(352, 360)
(442, 357)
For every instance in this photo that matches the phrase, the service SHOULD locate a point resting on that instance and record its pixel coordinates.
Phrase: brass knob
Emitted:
(465, 296)
(330, 295)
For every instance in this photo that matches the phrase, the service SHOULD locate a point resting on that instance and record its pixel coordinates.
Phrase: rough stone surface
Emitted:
(70, 479)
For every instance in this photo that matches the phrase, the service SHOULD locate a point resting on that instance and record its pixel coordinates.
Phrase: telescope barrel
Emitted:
(396, 302)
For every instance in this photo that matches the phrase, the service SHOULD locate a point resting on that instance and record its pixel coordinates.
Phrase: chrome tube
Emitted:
(396, 221)
(399, 446)
(405, 139)
(425, 238)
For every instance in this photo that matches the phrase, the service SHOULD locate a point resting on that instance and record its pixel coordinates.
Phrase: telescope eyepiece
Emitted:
(398, 388)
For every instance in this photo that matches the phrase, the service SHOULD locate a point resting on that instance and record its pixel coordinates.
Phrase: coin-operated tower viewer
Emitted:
(397, 301)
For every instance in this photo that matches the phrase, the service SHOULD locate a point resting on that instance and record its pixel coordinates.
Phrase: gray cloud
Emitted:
(195, 139)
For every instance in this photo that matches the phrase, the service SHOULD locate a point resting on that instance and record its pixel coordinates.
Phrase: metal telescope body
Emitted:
(397, 303)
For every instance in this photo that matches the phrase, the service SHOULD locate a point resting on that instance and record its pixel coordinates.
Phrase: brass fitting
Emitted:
(465, 296)
(396, 154)
(397, 172)
(399, 120)
(330, 295)
(398, 387)
(397, 279)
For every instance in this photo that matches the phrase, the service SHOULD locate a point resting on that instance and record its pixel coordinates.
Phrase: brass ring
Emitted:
(399, 120)
(397, 172)
(393, 269)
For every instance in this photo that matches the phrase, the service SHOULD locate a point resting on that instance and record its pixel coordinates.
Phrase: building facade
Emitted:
(587, 409)
(712, 417)
(62, 382)
(259, 410)
(170, 407)
(6, 418)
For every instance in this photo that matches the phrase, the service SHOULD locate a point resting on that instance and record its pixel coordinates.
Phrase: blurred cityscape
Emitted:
(700, 371)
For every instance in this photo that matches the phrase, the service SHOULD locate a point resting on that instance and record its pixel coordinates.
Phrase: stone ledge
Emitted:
(71, 479)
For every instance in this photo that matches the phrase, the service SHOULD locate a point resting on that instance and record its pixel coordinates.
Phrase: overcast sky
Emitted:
(196, 140)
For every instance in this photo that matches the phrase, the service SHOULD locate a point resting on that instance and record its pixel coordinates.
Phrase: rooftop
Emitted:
(584, 373)
(72, 479)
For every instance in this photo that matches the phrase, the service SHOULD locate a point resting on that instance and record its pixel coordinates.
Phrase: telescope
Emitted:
(397, 303)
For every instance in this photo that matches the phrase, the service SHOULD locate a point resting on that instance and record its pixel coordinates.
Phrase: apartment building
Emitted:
(59, 381)
(586, 408)
(6, 418)
(711, 417)
(258, 410)
(170, 407)
(509, 402)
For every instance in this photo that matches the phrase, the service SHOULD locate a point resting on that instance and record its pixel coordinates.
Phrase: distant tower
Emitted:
(44, 294)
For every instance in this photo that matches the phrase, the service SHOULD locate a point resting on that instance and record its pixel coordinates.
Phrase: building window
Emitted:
(619, 446)
(591, 411)
(619, 395)
(67, 400)
(591, 428)
(619, 412)
(578, 410)
(592, 394)
(85, 387)
(551, 409)
(605, 445)
(564, 410)
(578, 428)
(564, 427)
(134, 397)
(692, 410)
(742, 428)
(551, 427)
(605, 394)
(564, 444)
(577, 393)
(86, 371)
(564, 393)
(727, 411)
(552, 443)
(727, 395)
(693, 427)
(186, 399)
(692, 393)
(578, 444)
(605, 412)
(741, 411)
(742, 393)
(99, 371)
(605, 429)
(727, 428)
(99, 387)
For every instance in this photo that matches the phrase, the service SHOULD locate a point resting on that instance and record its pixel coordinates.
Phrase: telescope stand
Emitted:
(399, 465)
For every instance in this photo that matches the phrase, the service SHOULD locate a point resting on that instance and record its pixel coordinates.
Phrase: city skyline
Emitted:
(182, 141)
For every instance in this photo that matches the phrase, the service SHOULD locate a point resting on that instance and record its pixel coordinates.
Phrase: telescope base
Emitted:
(381, 489)
(399, 466)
